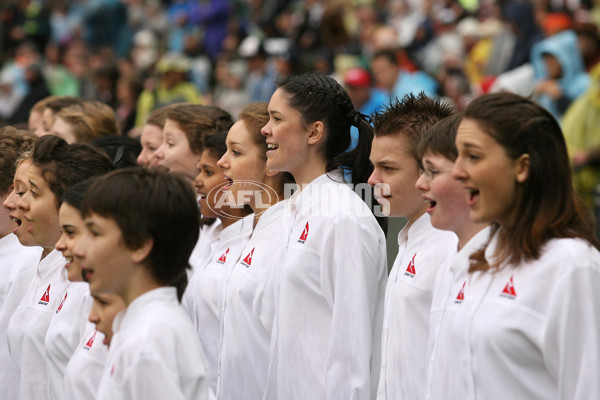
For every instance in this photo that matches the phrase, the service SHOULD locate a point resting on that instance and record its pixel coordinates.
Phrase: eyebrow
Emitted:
(383, 161)
(90, 224)
(471, 145)
(33, 184)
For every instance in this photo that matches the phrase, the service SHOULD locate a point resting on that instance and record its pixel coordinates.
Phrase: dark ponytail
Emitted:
(321, 98)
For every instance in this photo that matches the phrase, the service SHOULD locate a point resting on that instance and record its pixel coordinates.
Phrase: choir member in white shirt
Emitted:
(18, 253)
(141, 227)
(529, 321)
(422, 249)
(449, 210)
(203, 298)
(184, 129)
(71, 338)
(331, 283)
(69, 325)
(84, 371)
(13, 144)
(249, 303)
(56, 166)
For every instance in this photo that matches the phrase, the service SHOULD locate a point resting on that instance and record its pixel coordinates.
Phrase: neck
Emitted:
(234, 215)
(310, 170)
(139, 283)
(467, 231)
(46, 251)
(415, 216)
(258, 211)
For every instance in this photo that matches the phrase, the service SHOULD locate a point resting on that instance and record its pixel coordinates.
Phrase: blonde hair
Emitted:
(90, 120)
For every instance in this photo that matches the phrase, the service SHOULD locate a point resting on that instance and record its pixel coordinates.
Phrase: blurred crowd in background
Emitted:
(139, 55)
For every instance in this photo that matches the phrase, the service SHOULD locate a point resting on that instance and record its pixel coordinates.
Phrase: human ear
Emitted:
(317, 132)
(522, 171)
(141, 253)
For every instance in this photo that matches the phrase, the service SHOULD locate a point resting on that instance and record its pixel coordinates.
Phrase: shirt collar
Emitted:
(332, 177)
(7, 242)
(242, 227)
(417, 228)
(52, 261)
(161, 295)
(474, 244)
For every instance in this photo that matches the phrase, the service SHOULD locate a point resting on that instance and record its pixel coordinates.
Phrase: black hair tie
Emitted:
(357, 117)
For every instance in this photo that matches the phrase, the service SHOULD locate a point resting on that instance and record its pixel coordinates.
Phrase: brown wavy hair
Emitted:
(546, 206)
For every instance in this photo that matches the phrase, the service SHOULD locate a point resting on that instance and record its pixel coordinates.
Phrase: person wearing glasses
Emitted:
(449, 211)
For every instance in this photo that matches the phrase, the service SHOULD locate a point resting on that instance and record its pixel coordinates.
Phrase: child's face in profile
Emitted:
(106, 262)
(104, 309)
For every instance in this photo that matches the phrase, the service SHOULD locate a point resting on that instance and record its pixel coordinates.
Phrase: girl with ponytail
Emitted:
(332, 281)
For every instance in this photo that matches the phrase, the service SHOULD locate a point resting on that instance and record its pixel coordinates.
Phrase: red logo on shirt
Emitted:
(112, 370)
(248, 259)
(45, 297)
(410, 270)
(223, 258)
(90, 342)
(461, 294)
(304, 235)
(61, 303)
(509, 290)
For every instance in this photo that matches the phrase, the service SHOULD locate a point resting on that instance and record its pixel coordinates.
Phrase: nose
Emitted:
(198, 182)
(93, 317)
(141, 160)
(374, 179)
(80, 246)
(159, 154)
(223, 161)
(23, 202)
(9, 202)
(61, 245)
(458, 170)
(422, 183)
(266, 130)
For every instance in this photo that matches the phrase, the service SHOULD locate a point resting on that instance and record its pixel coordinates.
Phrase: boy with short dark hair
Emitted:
(422, 248)
(141, 228)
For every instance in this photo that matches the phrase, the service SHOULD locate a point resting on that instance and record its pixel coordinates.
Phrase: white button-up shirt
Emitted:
(84, 371)
(12, 252)
(28, 326)
(18, 266)
(422, 251)
(203, 297)
(154, 353)
(204, 246)
(331, 289)
(65, 332)
(448, 296)
(529, 331)
(249, 309)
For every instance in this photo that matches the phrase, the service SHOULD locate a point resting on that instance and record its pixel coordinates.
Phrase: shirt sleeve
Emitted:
(353, 282)
(571, 345)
